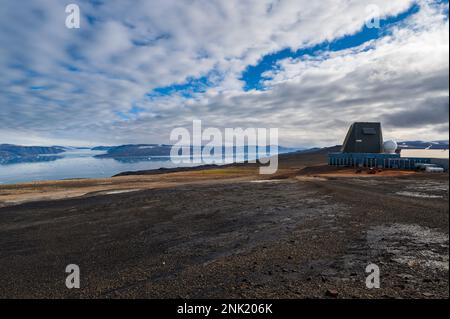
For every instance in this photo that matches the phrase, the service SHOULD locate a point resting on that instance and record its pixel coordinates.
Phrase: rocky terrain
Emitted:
(229, 233)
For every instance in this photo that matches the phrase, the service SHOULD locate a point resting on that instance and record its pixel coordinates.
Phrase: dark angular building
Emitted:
(363, 137)
(363, 147)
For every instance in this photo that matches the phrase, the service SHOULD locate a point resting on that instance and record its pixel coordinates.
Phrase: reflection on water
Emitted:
(81, 164)
(76, 164)
(31, 159)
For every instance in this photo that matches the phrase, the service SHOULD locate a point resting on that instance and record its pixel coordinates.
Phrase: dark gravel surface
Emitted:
(280, 239)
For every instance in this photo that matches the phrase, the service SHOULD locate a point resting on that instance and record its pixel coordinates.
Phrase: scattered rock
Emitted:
(405, 276)
(332, 293)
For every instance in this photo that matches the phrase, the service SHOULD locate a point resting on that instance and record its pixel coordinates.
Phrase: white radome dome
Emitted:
(390, 146)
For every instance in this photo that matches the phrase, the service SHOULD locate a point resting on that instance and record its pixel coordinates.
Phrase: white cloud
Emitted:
(131, 49)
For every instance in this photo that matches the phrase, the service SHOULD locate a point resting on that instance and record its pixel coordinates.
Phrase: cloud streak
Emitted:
(95, 85)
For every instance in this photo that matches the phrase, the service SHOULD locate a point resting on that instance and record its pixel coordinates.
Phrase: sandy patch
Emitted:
(53, 190)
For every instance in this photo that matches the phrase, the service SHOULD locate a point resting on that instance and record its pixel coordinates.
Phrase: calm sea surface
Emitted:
(79, 164)
(76, 164)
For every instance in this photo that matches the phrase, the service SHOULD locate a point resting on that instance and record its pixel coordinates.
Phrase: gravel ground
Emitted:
(284, 238)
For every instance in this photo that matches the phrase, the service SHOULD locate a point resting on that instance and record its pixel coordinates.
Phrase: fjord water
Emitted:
(79, 163)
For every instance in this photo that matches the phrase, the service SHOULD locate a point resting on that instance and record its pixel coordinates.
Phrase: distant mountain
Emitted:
(10, 153)
(129, 153)
(133, 150)
(435, 145)
(81, 148)
(148, 150)
(308, 150)
(31, 150)
(102, 148)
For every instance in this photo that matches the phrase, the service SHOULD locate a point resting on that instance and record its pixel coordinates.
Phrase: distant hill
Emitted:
(296, 159)
(102, 148)
(148, 150)
(133, 150)
(10, 153)
(435, 145)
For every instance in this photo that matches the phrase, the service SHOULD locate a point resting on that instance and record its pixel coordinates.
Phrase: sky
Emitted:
(135, 70)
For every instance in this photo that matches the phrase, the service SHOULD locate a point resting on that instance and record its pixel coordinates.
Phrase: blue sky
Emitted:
(253, 75)
(131, 74)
